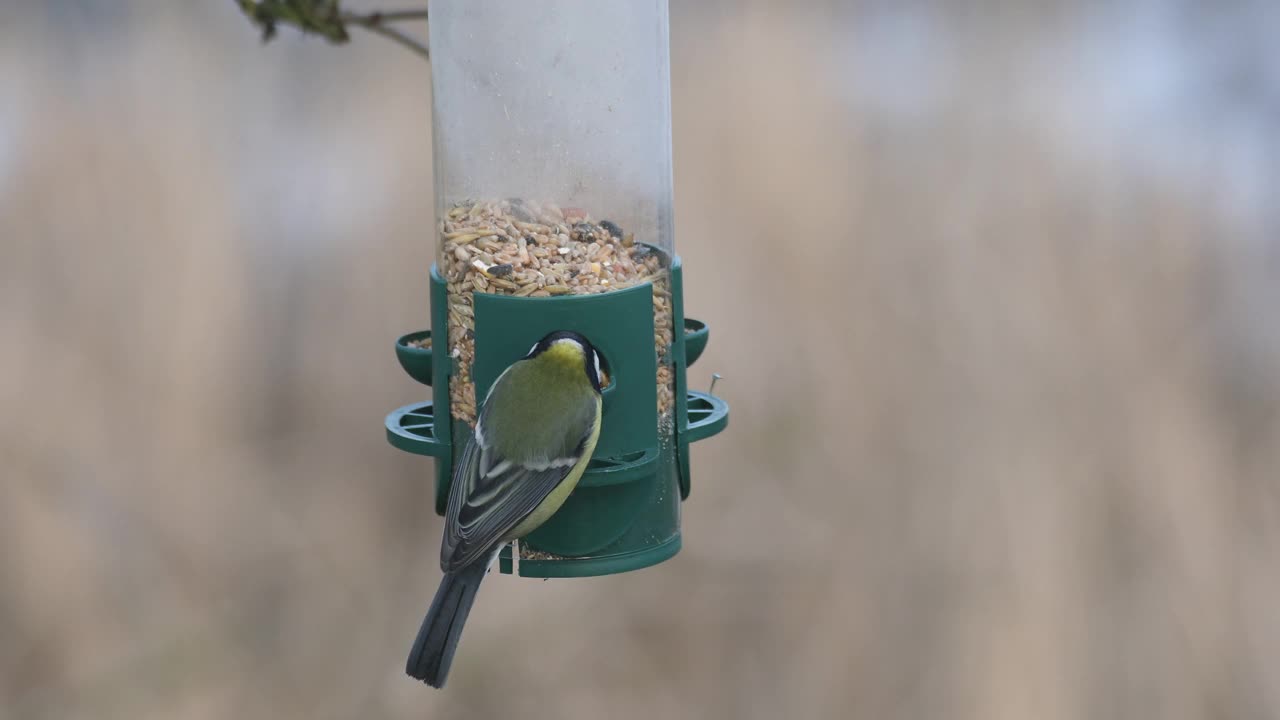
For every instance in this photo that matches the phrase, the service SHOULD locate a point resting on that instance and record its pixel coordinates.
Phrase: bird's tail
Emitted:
(437, 640)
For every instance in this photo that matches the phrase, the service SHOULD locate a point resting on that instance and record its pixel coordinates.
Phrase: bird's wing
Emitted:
(492, 493)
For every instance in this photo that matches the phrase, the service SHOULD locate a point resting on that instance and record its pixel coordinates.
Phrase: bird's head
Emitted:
(567, 352)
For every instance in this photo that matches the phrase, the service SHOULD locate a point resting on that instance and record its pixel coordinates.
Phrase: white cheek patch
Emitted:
(595, 357)
(532, 350)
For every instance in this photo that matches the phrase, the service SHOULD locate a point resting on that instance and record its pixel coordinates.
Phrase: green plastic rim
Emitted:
(412, 428)
(620, 468)
(592, 566)
(696, 334)
(708, 415)
(416, 361)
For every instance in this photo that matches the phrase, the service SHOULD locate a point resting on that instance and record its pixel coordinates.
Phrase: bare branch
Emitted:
(395, 15)
(375, 23)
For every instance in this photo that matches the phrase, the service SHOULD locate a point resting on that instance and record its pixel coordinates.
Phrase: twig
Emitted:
(394, 15)
(374, 23)
(324, 17)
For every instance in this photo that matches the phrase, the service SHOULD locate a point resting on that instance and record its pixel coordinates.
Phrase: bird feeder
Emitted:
(552, 145)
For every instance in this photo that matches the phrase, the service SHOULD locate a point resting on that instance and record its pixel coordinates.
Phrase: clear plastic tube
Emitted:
(552, 160)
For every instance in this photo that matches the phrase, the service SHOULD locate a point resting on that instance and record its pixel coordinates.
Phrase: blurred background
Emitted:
(993, 291)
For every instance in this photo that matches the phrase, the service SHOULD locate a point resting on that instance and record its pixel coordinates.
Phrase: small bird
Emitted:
(537, 429)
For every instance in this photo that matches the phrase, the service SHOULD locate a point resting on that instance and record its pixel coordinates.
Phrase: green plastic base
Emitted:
(625, 513)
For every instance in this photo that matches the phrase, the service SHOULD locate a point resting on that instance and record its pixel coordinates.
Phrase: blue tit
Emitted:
(535, 435)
